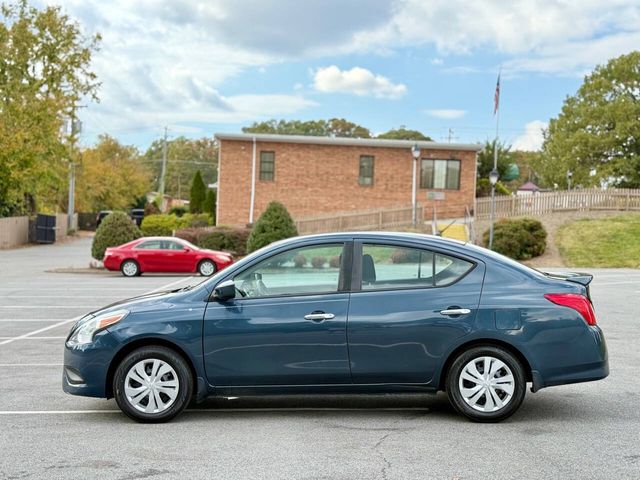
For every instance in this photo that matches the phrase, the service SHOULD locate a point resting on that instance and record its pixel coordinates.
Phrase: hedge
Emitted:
(116, 228)
(519, 239)
(159, 225)
(165, 225)
(229, 239)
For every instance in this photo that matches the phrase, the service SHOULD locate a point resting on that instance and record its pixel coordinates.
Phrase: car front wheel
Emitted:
(152, 384)
(486, 384)
(206, 268)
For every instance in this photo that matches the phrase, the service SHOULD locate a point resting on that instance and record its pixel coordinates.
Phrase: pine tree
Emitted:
(210, 205)
(198, 194)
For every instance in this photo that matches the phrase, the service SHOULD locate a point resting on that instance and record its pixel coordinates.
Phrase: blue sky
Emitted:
(201, 67)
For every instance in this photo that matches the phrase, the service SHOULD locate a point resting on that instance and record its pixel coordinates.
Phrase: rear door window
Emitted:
(388, 266)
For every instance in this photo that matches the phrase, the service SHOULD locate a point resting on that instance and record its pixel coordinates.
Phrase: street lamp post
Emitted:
(415, 153)
(493, 179)
(569, 177)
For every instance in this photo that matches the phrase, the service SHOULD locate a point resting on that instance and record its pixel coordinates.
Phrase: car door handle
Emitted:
(455, 311)
(319, 316)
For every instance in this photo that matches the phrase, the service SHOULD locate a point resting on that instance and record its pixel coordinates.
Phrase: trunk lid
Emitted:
(583, 279)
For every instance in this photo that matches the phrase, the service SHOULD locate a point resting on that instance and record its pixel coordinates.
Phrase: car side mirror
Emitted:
(224, 291)
(186, 249)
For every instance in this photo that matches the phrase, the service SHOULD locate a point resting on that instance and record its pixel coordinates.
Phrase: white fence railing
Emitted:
(541, 203)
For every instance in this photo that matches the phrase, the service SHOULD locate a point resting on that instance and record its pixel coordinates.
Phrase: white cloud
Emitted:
(547, 36)
(532, 137)
(358, 81)
(446, 113)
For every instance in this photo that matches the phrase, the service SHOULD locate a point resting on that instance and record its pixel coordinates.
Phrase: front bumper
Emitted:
(86, 367)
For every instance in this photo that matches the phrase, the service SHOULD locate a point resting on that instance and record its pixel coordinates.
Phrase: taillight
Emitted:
(579, 303)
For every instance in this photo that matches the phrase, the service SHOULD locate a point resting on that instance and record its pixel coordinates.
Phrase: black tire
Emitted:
(179, 366)
(126, 268)
(203, 264)
(465, 408)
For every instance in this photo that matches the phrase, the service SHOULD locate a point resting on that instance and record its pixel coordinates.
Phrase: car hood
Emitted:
(143, 302)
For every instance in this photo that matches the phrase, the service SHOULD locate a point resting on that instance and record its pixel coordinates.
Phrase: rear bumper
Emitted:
(111, 263)
(596, 368)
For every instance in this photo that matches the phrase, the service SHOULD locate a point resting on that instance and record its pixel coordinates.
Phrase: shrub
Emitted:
(177, 211)
(334, 262)
(274, 224)
(116, 228)
(159, 225)
(519, 239)
(194, 220)
(483, 188)
(403, 255)
(318, 262)
(218, 238)
(299, 260)
(151, 208)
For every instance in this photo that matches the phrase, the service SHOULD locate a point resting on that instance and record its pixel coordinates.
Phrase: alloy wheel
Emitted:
(207, 268)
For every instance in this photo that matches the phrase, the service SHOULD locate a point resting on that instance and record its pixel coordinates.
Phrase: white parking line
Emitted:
(43, 320)
(47, 306)
(36, 332)
(64, 322)
(3, 365)
(32, 338)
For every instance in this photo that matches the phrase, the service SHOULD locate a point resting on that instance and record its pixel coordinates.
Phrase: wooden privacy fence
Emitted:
(547, 202)
(376, 219)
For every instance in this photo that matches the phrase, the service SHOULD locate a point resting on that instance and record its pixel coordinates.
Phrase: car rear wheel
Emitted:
(486, 384)
(153, 384)
(206, 268)
(130, 268)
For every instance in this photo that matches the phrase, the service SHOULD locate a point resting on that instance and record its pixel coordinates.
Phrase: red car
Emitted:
(164, 254)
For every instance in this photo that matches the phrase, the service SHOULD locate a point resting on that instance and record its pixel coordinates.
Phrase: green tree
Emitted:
(110, 177)
(184, 157)
(198, 194)
(44, 73)
(337, 127)
(210, 205)
(598, 129)
(403, 134)
(274, 224)
(485, 164)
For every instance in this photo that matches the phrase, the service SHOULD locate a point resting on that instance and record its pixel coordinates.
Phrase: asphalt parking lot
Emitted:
(585, 431)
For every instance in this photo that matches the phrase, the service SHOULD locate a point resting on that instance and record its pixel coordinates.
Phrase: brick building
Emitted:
(315, 176)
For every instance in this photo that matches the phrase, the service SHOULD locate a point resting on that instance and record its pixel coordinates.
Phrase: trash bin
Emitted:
(45, 228)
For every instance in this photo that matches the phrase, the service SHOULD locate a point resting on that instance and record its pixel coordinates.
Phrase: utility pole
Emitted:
(76, 128)
(164, 168)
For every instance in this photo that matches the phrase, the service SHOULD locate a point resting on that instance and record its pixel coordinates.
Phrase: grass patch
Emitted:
(609, 242)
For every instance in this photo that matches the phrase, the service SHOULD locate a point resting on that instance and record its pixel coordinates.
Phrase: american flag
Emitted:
(496, 97)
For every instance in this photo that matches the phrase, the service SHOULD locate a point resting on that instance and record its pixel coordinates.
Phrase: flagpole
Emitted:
(493, 176)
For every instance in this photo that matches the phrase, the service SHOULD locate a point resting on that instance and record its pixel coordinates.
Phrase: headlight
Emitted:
(86, 328)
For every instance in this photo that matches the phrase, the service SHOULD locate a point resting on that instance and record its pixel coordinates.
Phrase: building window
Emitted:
(267, 165)
(444, 174)
(366, 170)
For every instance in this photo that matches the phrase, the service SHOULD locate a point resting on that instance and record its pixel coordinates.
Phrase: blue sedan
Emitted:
(345, 313)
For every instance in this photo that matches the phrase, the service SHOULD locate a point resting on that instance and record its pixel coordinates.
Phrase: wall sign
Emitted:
(435, 195)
